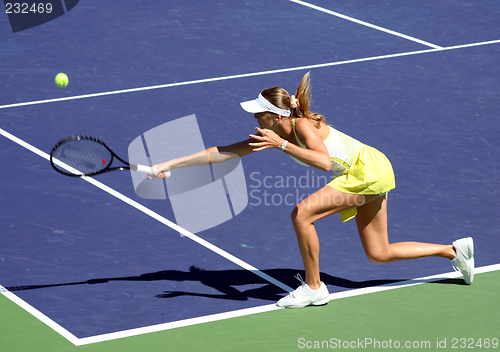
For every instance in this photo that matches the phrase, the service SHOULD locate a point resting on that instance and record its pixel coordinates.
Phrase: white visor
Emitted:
(261, 104)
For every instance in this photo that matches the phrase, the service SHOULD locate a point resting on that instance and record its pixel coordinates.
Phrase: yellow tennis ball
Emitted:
(62, 80)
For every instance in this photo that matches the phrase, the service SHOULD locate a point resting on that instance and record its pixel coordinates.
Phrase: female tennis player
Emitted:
(362, 178)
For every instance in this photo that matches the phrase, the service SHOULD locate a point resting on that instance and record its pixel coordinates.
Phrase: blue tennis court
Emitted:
(417, 80)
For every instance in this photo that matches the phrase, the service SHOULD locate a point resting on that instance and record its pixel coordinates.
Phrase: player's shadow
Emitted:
(225, 282)
(455, 281)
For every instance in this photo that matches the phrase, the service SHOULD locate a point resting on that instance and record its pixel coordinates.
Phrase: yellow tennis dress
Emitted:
(358, 168)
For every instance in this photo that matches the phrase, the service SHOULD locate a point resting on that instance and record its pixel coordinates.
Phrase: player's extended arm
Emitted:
(213, 155)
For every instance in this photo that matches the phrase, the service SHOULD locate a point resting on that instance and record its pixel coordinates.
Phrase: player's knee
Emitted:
(295, 214)
(379, 257)
(299, 213)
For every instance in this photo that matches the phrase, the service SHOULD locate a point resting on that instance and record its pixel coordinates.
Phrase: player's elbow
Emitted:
(217, 155)
(326, 164)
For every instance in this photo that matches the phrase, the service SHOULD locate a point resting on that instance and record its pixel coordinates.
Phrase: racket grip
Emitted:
(148, 170)
(144, 169)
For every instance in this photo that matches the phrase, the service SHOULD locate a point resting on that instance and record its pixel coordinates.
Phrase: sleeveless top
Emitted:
(342, 149)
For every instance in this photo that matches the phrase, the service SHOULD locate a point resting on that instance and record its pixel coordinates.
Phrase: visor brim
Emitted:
(253, 106)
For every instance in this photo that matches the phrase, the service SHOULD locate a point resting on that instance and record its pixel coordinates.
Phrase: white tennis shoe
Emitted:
(464, 261)
(305, 296)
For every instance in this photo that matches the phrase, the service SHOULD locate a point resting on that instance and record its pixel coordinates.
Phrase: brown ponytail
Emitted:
(303, 96)
(299, 102)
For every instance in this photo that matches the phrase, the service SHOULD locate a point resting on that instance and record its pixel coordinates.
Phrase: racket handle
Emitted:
(144, 169)
(148, 170)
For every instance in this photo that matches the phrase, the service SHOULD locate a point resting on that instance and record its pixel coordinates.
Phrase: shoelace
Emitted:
(302, 285)
(298, 277)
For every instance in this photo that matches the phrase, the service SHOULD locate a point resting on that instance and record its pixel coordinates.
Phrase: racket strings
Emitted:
(86, 156)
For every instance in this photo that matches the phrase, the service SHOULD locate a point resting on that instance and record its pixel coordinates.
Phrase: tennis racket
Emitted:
(79, 156)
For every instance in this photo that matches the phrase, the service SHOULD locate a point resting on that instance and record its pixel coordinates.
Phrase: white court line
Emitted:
(157, 217)
(40, 316)
(366, 24)
(253, 74)
(227, 315)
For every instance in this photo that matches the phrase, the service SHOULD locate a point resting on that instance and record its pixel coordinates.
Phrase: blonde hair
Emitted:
(298, 103)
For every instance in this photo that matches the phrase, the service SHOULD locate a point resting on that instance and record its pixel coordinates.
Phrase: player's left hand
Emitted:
(267, 139)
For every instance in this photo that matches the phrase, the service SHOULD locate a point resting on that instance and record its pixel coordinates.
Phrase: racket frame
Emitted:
(108, 168)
